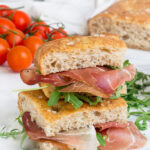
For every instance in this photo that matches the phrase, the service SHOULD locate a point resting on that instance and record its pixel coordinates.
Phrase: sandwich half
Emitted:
(80, 105)
(62, 127)
(129, 19)
(81, 64)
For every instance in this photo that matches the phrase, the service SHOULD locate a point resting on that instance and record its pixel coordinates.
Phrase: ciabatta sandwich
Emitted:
(80, 106)
(62, 127)
(83, 64)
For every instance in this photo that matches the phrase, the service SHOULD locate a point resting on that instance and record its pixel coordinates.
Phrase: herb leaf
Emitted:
(135, 88)
(100, 139)
(54, 98)
(71, 98)
(33, 89)
(126, 63)
(117, 94)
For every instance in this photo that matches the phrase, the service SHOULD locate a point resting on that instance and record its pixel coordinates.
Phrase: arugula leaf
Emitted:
(126, 63)
(12, 133)
(33, 89)
(117, 94)
(38, 71)
(90, 99)
(54, 98)
(74, 100)
(135, 88)
(100, 139)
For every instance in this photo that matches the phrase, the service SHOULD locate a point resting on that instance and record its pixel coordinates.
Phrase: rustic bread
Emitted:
(129, 19)
(79, 52)
(64, 117)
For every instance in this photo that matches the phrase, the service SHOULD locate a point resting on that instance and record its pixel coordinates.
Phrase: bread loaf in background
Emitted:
(129, 19)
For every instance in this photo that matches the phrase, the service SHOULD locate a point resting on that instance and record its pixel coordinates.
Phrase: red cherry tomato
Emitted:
(21, 19)
(33, 43)
(5, 12)
(40, 34)
(58, 34)
(19, 57)
(15, 37)
(5, 25)
(4, 46)
(42, 26)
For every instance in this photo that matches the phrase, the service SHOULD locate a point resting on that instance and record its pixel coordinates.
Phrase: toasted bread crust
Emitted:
(133, 11)
(109, 50)
(64, 117)
(129, 19)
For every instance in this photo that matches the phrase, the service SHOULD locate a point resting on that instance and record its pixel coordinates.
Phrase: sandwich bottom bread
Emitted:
(61, 127)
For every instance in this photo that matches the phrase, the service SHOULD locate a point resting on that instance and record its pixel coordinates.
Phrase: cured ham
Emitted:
(96, 78)
(77, 139)
(122, 138)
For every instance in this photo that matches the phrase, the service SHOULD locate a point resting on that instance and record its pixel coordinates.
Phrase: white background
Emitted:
(74, 14)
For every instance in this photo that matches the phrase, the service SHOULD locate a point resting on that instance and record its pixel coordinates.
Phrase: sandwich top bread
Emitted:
(130, 19)
(77, 52)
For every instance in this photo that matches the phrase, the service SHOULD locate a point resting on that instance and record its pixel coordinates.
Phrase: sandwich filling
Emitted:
(117, 136)
(98, 81)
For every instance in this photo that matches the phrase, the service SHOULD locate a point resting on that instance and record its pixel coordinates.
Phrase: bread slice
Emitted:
(79, 52)
(64, 117)
(47, 91)
(129, 19)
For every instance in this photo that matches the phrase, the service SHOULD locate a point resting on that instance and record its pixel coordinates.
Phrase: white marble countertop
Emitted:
(74, 15)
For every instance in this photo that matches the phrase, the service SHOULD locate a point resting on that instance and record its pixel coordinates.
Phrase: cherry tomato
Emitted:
(41, 25)
(40, 34)
(33, 43)
(15, 37)
(5, 25)
(5, 12)
(58, 34)
(21, 19)
(19, 57)
(4, 46)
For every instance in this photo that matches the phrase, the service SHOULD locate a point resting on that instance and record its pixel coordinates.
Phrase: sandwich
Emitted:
(78, 106)
(129, 19)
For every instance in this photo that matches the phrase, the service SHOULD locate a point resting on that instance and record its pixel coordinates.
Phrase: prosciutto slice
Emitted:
(77, 139)
(96, 78)
(121, 137)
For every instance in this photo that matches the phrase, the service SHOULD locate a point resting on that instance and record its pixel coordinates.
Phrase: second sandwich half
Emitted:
(80, 105)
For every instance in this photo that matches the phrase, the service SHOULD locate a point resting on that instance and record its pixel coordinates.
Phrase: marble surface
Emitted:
(74, 15)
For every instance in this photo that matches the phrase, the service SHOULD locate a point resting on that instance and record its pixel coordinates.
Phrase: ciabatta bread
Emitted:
(64, 117)
(76, 52)
(129, 19)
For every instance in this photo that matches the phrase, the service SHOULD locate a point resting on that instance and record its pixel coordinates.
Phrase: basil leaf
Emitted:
(54, 98)
(100, 139)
